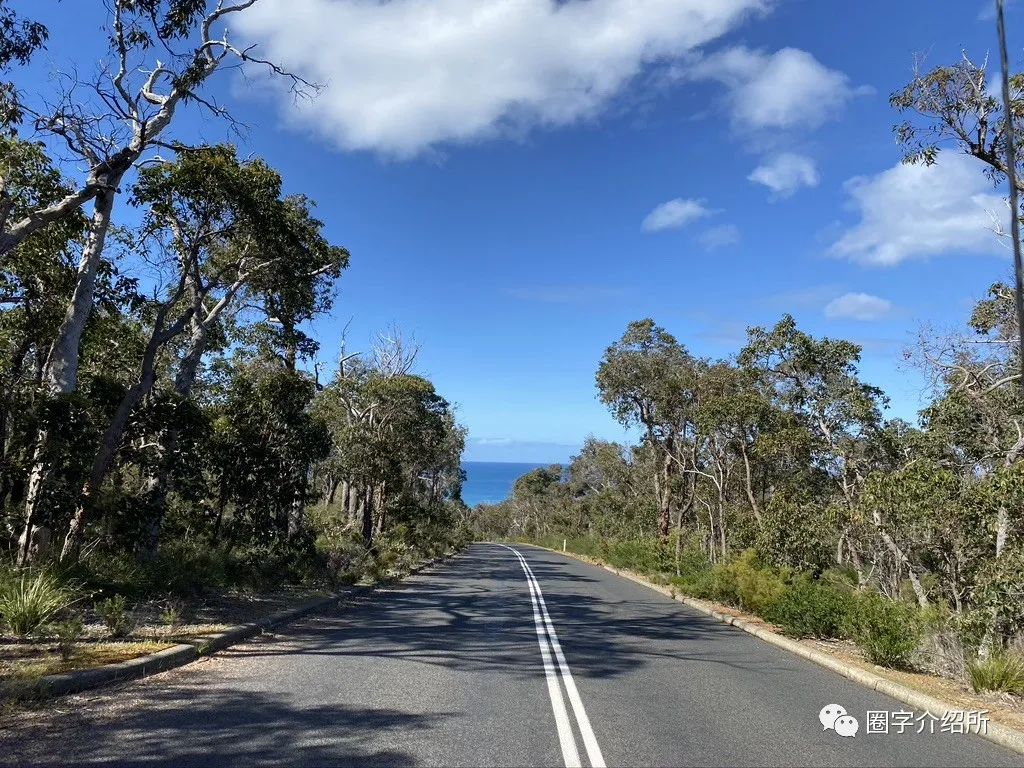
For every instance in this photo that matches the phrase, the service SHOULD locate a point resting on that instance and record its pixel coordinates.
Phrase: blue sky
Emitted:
(518, 179)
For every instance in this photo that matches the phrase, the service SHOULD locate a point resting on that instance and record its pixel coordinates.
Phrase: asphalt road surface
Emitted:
(493, 658)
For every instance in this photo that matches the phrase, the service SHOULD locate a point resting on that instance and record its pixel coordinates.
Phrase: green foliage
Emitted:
(1000, 592)
(1001, 671)
(171, 616)
(116, 616)
(68, 634)
(812, 609)
(888, 632)
(747, 584)
(180, 568)
(798, 534)
(28, 601)
(972, 628)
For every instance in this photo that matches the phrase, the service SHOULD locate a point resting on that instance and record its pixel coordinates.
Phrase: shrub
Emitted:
(68, 634)
(691, 557)
(812, 609)
(115, 614)
(646, 555)
(743, 582)
(700, 584)
(27, 602)
(180, 568)
(171, 616)
(888, 632)
(1000, 584)
(971, 629)
(1001, 671)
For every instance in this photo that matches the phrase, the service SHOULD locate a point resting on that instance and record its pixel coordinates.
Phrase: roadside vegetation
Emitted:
(772, 482)
(167, 437)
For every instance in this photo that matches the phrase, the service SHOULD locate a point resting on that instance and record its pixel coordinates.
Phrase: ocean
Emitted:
(488, 482)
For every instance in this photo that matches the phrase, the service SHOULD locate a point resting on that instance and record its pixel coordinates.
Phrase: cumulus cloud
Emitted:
(917, 211)
(782, 90)
(675, 214)
(857, 306)
(720, 237)
(405, 75)
(784, 174)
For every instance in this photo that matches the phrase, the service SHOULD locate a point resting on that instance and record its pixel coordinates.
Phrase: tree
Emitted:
(20, 38)
(648, 379)
(220, 228)
(133, 108)
(396, 443)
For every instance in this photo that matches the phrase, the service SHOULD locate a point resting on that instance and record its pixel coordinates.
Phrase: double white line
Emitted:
(547, 638)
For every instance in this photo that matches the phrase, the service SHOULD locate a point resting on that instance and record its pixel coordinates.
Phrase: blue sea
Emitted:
(489, 482)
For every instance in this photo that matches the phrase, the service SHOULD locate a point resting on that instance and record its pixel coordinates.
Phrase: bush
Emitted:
(1001, 671)
(68, 634)
(888, 632)
(27, 602)
(812, 609)
(1000, 584)
(647, 555)
(115, 614)
(180, 568)
(743, 582)
(171, 616)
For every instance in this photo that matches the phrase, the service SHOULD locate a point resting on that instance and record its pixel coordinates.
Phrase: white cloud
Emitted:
(721, 237)
(857, 306)
(405, 75)
(674, 214)
(786, 89)
(784, 174)
(917, 211)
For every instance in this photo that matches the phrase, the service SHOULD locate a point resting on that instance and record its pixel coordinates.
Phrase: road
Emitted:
(456, 666)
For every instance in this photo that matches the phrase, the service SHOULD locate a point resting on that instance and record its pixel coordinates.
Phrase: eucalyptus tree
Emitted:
(263, 427)
(817, 382)
(976, 414)
(648, 379)
(222, 231)
(20, 38)
(952, 106)
(135, 97)
(395, 440)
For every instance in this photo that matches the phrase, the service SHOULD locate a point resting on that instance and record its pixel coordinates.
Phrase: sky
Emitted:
(517, 180)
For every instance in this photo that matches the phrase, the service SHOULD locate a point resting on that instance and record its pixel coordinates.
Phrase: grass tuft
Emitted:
(1002, 671)
(28, 602)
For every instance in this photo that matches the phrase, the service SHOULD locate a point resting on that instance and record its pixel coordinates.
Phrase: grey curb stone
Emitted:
(1003, 735)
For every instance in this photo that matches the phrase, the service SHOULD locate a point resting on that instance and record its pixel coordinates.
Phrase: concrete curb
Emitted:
(183, 653)
(1003, 735)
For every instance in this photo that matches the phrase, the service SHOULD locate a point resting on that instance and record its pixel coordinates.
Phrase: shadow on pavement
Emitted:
(475, 613)
(187, 725)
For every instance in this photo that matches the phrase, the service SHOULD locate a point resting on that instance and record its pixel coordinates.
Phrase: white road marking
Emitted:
(546, 634)
(570, 755)
(589, 739)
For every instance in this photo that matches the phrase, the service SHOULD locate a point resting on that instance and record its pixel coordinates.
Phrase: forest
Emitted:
(165, 423)
(772, 481)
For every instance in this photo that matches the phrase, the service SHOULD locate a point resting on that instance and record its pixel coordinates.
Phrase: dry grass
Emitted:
(35, 660)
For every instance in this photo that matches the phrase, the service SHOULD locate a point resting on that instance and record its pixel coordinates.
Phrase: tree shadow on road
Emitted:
(476, 614)
(186, 725)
